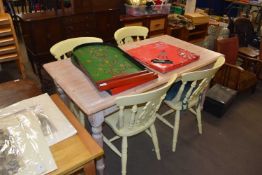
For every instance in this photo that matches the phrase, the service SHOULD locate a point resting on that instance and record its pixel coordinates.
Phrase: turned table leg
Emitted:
(96, 120)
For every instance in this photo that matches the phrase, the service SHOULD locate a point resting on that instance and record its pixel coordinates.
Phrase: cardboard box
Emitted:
(197, 18)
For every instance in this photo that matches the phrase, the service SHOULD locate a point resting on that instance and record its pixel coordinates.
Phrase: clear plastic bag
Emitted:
(47, 127)
(23, 148)
(54, 124)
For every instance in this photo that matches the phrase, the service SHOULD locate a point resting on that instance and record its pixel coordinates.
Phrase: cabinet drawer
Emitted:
(78, 19)
(134, 24)
(79, 27)
(157, 24)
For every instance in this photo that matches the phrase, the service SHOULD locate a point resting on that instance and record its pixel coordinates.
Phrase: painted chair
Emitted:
(188, 94)
(137, 113)
(62, 50)
(130, 34)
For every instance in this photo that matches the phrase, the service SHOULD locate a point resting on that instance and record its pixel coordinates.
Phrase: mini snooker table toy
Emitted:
(110, 68)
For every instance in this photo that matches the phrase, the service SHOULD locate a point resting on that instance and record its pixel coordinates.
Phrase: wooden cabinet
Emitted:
(195, 35)
(107, 22)
(50, 32)
(157, 24)
(79, 25)
(42, 30)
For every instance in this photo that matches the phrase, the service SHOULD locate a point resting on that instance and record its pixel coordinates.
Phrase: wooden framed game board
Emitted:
(163, 57)
(110, 68)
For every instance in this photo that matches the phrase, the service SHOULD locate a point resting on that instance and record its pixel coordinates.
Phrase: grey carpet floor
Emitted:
(231, 145)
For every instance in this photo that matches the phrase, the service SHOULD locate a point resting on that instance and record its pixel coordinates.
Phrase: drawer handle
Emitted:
(157, 25)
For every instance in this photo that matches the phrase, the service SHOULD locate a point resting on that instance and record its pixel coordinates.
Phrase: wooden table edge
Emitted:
(90, 143)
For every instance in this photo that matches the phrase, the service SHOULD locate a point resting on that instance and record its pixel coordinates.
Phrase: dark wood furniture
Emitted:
(231, 75)
(192, 36)
(41, 30)
(157, 23)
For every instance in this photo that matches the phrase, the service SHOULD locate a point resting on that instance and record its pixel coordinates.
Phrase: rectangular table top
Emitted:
(81, 90)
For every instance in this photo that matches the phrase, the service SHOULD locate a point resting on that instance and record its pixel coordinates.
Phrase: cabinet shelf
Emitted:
(196, 33)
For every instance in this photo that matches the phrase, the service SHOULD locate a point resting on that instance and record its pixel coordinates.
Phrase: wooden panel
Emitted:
(2, 10)
(107, 22)
(81, 6)
(102, 5)
(157, 24)
(78, 19)
(45, 34)
(134, 24)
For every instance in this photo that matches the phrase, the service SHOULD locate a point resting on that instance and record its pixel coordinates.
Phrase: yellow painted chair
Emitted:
(130, 34)
(187, 94)
(62, 50)
(137, 113)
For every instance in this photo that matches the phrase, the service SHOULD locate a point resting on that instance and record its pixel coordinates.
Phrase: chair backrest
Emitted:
(139, 111)
(62, 49)
(196, 82)
(228, 47)
(245, 31)
(130, 34)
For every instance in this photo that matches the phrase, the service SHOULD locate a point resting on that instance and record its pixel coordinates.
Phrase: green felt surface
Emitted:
(103, 62)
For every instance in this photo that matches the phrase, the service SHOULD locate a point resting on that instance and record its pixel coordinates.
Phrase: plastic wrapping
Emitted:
(23, 148)
(47, 127)
(54, 125)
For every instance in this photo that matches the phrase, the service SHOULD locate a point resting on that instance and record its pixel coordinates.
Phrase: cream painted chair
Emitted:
(62, 50)
(137, 113)
(130, 34)
(187, 94)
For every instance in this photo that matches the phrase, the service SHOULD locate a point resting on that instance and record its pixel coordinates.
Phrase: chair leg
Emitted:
(175, 131)
(198, 116)
(155, 141)
(124, 155)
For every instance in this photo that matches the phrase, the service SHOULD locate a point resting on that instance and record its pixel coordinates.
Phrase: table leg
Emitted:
(62, 94)
(96, 120)
(76, 111)
(89, 168)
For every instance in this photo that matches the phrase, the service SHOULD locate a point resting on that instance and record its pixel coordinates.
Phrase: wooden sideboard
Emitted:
(42, 30)
(157, 23)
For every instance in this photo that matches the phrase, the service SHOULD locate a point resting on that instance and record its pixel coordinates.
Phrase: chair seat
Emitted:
(179, 105)
(112, 119)
(248, 51)
(247, 80)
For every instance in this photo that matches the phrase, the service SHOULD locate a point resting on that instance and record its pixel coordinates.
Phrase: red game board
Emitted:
(163, 51)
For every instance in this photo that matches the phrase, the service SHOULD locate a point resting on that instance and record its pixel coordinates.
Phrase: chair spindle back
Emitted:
(130, 34)
(198, 81)
(140, 110)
